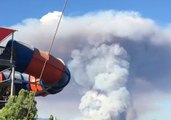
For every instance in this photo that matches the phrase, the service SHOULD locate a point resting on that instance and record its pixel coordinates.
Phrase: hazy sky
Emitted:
(118, 53)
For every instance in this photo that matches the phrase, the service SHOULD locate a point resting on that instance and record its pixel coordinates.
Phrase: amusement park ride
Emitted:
(25, 67)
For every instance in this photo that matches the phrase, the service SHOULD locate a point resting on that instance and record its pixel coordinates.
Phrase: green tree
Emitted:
(21, 107)
(51, 117)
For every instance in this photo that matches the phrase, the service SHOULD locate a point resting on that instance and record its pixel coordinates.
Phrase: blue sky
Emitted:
(15, 11)
(150, 85)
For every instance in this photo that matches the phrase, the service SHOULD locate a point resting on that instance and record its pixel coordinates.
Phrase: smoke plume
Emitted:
(118, 58)
(104, 70)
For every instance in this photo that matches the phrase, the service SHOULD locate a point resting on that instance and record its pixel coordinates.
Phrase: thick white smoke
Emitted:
(104, 70)
(116, 57)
